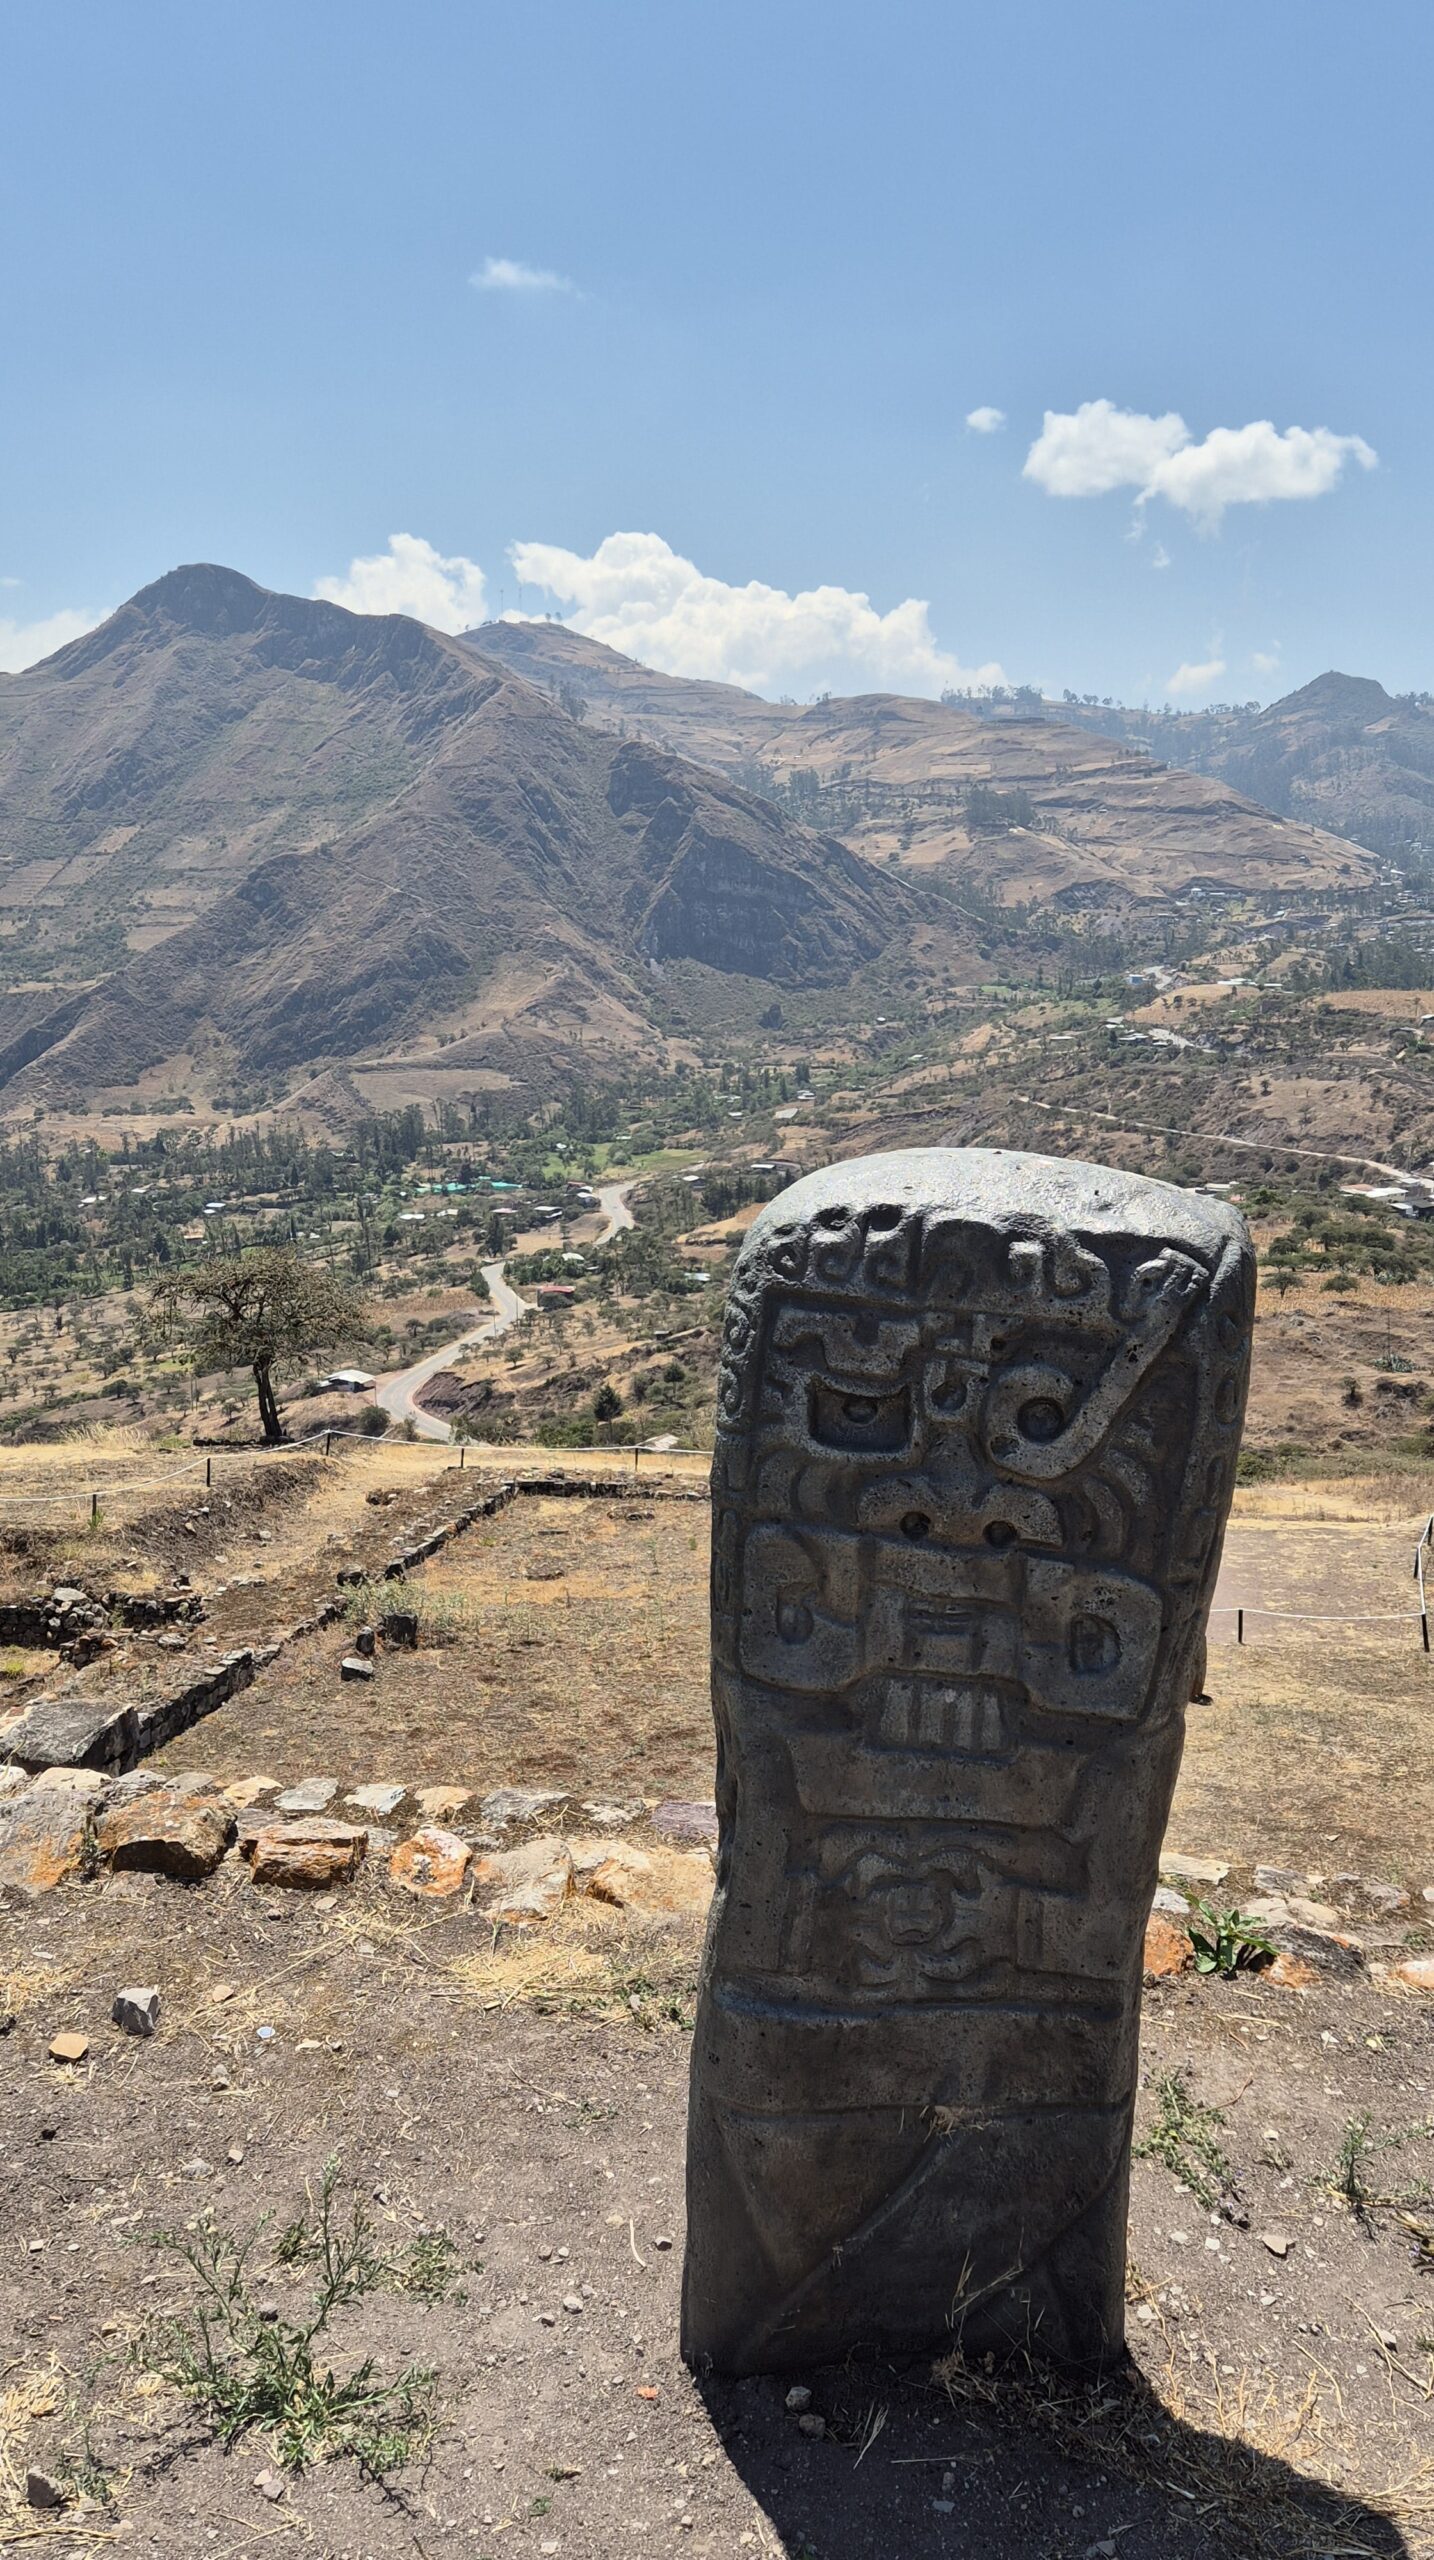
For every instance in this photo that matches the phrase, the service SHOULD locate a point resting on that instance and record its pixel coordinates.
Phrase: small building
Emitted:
(353, 1382)
(556, 1293)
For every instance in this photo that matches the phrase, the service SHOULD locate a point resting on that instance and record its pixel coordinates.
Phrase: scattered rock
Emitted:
(167, 1834)
(432, 1864)
(1290, 1973)
(42, 2491)
(312, 1795)
(13, 1782)
(1173, 1904)
(69, 1782)
(1168, 1949)
(1386, 1898)
(136, 2011)
(439, 1804)
(271, 2484)
(69, 2048)
(507, 1807)
(1278, 2243)
(811, 2424)
(687, 1824)
(247, 1791)
(365, 1640)
(1206, 1871)
(354, 1667)
(614, 1817)
(798, 2399)
(1280, 1880)
(1414, 1973)
(376, 1799)
(530, 1883)
(610, 1871)
(43, 1841)
(400, 1627)
(307, 1853)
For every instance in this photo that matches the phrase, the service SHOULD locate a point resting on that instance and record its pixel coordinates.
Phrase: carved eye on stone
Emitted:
(1094, 1644)
(840, 1420)
(915, 1525)
(949, 1393)
(999, 1533)
(794, 1621)
(1041, 1419)
(884, 1217)
(833, 1217)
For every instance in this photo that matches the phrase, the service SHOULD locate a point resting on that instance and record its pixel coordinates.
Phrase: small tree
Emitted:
(263, 1310)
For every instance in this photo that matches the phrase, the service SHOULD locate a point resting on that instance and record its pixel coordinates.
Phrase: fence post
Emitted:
(636, 1454)
(328, 1442)
(462, 1455)
(1424, 1627)
(94, 1508)
(1239, 1626)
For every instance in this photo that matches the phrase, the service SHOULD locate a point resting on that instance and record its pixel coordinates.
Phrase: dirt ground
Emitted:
(564, 1644)
(1279, 2395)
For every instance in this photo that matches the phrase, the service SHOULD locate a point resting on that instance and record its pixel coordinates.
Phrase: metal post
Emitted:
(208, 1472)
(328, 1442)
(94, 1508)
(1239, 1626)
(635, 1455)
(462, 1455)
(1424, 1627)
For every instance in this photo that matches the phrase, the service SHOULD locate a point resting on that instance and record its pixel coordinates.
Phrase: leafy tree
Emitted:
(607, 1403)
(263, 1310)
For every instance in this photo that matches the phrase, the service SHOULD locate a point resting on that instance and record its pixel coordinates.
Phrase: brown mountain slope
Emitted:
(357, 836)
(1340, 753)
(891, 775)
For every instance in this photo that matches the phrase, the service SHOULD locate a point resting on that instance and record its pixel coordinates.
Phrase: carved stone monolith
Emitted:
(978, 1421)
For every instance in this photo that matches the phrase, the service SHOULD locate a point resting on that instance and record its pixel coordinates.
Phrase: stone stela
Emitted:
(978, 1422)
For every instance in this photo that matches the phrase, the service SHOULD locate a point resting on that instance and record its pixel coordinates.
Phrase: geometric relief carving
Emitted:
(978, 1419)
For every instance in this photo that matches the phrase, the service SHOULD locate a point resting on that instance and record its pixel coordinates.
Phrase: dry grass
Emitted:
(588, 1962)
(1273, 2475)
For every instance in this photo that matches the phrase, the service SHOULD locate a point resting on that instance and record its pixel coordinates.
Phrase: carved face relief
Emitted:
(978, 1425)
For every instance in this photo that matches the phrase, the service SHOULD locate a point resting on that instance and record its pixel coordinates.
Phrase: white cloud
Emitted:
(411, 577)
(638, 595)
(986, 422)
(22, 644)
(1265, 661)
(1197, 678)
(510, 275)
(1085, 452)
(1160, 557)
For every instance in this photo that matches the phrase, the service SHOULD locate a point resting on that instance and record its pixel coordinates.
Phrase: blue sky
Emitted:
(268, 296)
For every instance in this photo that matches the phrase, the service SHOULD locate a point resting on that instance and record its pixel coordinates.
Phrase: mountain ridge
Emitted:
(493, 853)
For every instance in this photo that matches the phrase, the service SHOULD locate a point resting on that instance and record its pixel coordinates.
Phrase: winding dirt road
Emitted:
(399, 1394)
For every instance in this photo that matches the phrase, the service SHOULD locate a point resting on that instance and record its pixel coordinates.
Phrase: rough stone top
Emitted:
(999, 1185)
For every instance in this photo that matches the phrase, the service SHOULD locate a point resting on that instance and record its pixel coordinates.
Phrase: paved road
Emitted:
(398, 1395)
(612, 1200)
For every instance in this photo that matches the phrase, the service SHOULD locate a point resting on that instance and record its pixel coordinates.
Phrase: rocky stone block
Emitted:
(431, 1864)
(167, 1832)
(525, 1884)
(306, 1854)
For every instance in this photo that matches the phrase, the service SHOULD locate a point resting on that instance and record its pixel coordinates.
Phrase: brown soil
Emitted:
(564, 1643)
(1274, 2404)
